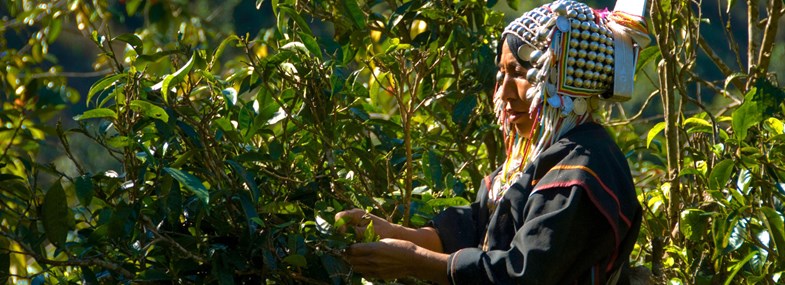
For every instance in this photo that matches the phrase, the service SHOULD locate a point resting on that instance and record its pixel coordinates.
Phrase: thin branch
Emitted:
(71, 74)
(640, 112)
(726, 71)
(149, 225)
(769, 35)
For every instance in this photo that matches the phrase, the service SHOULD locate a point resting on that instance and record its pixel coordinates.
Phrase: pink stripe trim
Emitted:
(604, 187)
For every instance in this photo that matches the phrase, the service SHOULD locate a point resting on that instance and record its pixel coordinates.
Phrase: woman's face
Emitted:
(512, 90)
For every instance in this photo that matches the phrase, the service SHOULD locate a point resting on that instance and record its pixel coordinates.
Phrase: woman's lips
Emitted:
(517, 115)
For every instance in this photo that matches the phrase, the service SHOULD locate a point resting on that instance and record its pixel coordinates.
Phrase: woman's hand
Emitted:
(359, 219)
(394, 258)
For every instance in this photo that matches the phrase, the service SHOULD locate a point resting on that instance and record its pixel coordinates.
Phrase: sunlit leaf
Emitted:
(131, 39)
(191, 183)
(720, 174)
(653, 132)
(355, 13)
(102, 84)
(646, 56)
(149, 110)
(174, 78)
(776, 227)
(97, 113)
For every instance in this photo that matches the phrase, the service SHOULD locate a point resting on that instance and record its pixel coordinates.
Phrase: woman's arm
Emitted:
(426, 237)
(394, 258)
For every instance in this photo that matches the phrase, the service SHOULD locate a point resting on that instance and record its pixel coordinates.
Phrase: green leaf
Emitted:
(513, 4)
(283, 208)
(720, 174)
(776, 228)
(174, 78)
(736, 267)
(102, 84)
(191, 183)
(646, 56)
(693, 224)
(653, 132)
(369, 235)
(297, 18)
(230, 96)
(355, 13)
(131, 39)
(259, 4)
(84, 190)
(433, 169)
(96, 113)
(150, 110)
(220, 50)
(55, 215)
(311, 44)
(296, 260)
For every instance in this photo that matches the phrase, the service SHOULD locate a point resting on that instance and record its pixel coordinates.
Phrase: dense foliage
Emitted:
(225, 156)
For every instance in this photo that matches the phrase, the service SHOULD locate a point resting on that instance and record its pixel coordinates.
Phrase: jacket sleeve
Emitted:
(462, 227)
(563, 235)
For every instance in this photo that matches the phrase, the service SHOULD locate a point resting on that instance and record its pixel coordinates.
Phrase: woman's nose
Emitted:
(508, 89)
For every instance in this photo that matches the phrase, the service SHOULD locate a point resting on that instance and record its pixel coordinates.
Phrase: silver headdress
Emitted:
(579, 53)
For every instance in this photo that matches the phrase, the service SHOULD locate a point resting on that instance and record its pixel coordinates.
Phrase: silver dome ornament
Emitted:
(560, 8)
(572, 52)
(607, 69)
(570, 61)
(583, 44)
(589, 64)
(581, 17)
(602, 48)
(585, 35)
(599, 67)
(575, 33)
(569, 70)
(578, 73)
(603, 77)
(581, 53)
(579, 106)
(535, 56)
(574, 23)
(574, 42)
(543, 33)
(591, 55)
(594, 45)
(531, 75)
(568, 80)
(572, 13)
(524, 52)
(609, 50)
(554, 101)
(578, 82)
(591, 16)
(609, 60)
(594, 36)
(584, 26)
(601, 57)
(580, 62)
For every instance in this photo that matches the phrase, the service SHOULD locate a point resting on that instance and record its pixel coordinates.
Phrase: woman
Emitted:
(562, 209)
